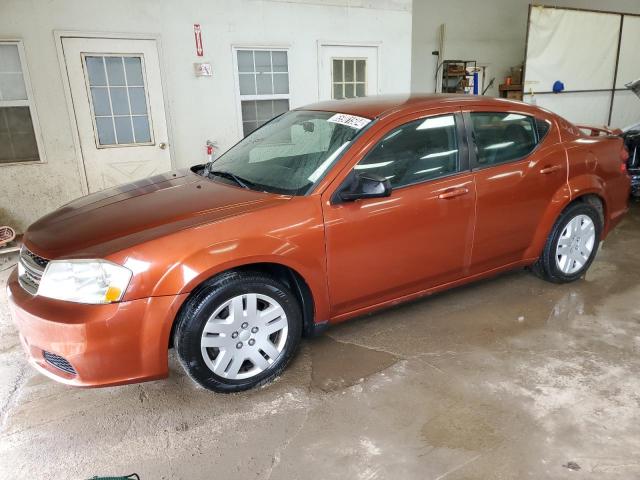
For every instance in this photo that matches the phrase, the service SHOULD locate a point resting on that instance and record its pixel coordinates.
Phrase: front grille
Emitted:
(30, 270)
(58, 362)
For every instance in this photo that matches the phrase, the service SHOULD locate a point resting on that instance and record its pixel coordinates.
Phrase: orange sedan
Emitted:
(324, 213)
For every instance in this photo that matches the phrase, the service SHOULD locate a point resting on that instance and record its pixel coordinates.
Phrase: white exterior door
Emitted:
(119, 109)
(348, 71)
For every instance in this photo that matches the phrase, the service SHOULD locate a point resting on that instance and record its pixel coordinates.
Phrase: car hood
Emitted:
(120, 217)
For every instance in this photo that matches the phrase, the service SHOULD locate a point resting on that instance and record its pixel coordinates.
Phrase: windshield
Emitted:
(289, 154)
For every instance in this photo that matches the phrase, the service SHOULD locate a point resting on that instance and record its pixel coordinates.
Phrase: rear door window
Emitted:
(502, 137)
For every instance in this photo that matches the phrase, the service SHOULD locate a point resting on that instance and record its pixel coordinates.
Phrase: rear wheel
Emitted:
(572, 244)
(239, 331)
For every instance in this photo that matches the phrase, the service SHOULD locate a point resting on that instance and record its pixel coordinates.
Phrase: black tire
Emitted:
(197, 310)
(546, 266)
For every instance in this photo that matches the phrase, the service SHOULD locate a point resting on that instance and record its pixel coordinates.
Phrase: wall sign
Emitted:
(203, 69)
(197, 32)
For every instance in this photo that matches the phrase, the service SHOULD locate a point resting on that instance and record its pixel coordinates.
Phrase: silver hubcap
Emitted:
(244, 336)
(575, 244)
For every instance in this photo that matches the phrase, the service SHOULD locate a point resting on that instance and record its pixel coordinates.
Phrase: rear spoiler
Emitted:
(600, 131)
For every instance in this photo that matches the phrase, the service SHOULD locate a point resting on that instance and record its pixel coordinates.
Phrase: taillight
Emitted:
(624, 154)
(624, 157)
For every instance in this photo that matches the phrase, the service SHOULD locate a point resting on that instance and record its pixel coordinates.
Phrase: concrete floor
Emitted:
(508, 378)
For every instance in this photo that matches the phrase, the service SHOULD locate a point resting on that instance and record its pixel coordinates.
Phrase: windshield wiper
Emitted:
(240, 181)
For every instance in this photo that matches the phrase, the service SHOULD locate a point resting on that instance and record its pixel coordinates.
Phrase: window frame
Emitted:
(29, 102)
(461, 137)
(470, 134)
(96, 138)
(354, 82)
(236, 80)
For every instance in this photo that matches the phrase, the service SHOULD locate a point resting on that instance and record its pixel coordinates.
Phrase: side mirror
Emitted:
(364, 185)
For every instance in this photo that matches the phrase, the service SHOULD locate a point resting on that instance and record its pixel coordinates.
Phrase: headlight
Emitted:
(84, 281)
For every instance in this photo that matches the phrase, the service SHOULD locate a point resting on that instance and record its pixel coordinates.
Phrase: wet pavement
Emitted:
(507, 378)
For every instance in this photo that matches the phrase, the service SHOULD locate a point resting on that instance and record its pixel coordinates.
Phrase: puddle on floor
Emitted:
(337, 365)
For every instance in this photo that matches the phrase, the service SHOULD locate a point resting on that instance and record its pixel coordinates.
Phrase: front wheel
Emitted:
(572, 244)
(238, 332)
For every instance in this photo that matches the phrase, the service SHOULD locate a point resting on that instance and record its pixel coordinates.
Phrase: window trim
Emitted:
(145, 85)
(29, 102)
(236, 80)
(463, 150)
(354, 83)
(473, 158)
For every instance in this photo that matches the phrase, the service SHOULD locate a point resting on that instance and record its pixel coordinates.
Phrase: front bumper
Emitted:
(106, 345)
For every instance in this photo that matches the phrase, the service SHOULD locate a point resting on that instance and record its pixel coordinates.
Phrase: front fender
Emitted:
(219, 257)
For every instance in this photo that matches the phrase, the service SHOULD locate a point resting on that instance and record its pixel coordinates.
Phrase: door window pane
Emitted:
(349, 78)
(415, 152)
(115, 70)
(141, 129)
(118, 100)
(502, 137)
(349, 72)
(138, 101)
(17, 137)
(337, 71)
(360, 70)
(124, 129)
(96, 71)
(133, 69)
(104, 126)
(101, 103)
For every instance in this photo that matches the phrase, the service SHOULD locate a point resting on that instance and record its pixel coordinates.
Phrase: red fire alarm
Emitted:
(197, 32)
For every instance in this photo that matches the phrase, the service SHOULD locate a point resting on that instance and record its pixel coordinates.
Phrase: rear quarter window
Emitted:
(543, 127)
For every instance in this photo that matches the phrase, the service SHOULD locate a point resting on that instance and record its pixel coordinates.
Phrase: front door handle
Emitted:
(456, 192)
(550, 169)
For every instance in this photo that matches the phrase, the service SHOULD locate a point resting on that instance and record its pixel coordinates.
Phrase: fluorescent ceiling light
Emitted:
(437, 122)
(496, 146)
(427, 170)
(439, 154)
(372, 165)
(513, 116)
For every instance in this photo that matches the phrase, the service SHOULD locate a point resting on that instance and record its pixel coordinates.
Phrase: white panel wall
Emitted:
(580, 49)
(575, 47)
(199, 108)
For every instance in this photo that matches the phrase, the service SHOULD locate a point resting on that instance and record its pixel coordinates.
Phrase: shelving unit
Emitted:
(455, 75)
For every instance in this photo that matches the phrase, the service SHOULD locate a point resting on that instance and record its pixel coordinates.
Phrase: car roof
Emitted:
(379, 105)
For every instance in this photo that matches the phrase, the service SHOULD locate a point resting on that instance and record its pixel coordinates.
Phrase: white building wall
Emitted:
(199, 108)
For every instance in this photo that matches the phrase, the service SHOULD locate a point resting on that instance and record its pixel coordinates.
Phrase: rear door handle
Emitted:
(456, 192)
(550, 169)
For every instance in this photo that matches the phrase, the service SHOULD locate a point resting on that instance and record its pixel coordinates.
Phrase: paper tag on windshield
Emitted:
(352, 121)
